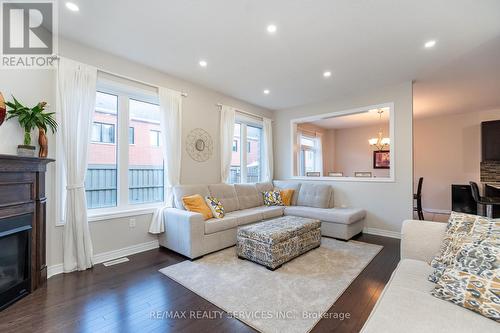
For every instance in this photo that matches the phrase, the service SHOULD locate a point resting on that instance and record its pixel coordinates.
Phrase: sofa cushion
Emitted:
(406, 305)
(283, 185)
(248, 196)
(314, 195)
(226, 194)
(217, 225)
(185, 190)
(246, 216)
(335, 215)
(269, 212)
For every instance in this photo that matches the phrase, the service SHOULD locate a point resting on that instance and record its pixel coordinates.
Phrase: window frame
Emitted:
(158, 139)
(244, 122)
(303, 150)
(101, 136)
(123, 207)
(133, 135)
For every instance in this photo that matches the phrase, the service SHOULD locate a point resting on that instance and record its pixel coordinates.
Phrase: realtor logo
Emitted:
(27, 33)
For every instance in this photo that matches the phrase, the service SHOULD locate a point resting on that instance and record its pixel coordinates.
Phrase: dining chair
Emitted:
(418, 197)
(484, 201)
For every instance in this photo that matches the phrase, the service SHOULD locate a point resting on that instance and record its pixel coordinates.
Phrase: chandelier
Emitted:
(380, 142)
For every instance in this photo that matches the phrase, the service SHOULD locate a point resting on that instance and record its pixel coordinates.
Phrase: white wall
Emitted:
(448, 151)
(353, 153)
(387, 203)
(200, 110)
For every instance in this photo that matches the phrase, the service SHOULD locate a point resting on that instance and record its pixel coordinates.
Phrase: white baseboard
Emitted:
(382, 232)
(110, 255)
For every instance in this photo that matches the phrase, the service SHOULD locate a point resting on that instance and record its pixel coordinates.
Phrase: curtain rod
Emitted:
(244, 112)
(183, 94)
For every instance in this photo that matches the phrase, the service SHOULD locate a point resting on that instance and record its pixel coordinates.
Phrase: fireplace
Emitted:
(15, 263)
(22, 226)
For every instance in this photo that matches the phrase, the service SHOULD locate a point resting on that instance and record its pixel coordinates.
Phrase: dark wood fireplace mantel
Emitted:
(22, 193)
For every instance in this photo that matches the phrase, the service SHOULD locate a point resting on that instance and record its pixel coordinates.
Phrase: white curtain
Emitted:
(77, 94)
(318, 160)
(227, 118)
(170, 125)
(267, 164)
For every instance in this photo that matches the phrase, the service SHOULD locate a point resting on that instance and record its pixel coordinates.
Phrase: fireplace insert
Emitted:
(15, 261)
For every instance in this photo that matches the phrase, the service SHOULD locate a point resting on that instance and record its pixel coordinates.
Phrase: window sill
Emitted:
(116, 214)
(348, 179)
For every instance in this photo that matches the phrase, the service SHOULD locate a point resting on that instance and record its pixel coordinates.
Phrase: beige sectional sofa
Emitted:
(406, 304)
(189, 234)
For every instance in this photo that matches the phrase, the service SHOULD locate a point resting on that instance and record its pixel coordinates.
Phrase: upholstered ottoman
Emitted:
(274, 242)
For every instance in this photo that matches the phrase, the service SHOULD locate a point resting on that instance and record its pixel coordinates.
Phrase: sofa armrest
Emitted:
(421, 240)
(184, 231)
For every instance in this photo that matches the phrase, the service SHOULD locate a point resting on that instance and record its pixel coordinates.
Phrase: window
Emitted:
(154, 138)
(131, 136)
(145, 157)
(103, 133)
(101, 179)
(307, 154)
(235, 176)
(249, 135)
(124, 116)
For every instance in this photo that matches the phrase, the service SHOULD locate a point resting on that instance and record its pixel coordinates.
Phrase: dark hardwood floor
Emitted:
(122, 298)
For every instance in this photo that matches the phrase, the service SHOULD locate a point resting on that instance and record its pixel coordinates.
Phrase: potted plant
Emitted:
(29, 119)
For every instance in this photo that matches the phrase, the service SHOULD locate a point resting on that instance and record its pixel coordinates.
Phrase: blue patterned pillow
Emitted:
(272, 198)
(216, 207)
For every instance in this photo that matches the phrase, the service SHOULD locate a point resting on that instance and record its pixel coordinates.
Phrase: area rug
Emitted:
(293, 298)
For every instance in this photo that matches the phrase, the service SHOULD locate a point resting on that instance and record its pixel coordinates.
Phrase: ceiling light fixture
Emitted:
(271, 28)
(203, 63)
(380, 142)
(430, 44)
(327, 74)
(266, 92)
(72, 6)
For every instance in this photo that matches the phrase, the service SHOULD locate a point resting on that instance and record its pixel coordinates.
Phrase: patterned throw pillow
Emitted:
(215, 206)
(470, 291)
(272, 198)
(462, 229)
(472, 279)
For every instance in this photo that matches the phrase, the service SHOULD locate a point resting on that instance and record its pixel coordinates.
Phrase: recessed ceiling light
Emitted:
(266, 92)
(72, 6)
(271, 28)
(203, 63)
(327, 74)
(430, 44)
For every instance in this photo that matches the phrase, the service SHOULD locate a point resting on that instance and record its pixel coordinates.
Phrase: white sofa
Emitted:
(189, 234)
(406, 304)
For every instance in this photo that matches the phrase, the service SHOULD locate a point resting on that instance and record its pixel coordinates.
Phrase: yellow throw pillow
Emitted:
(286, 196)
(196, 203)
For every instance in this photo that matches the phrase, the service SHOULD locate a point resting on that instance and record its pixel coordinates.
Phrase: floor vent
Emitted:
(115, 262)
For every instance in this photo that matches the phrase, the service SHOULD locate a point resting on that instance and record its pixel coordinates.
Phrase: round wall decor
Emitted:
(199, 145)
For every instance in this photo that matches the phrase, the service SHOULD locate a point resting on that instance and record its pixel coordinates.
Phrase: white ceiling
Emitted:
(364, 43)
